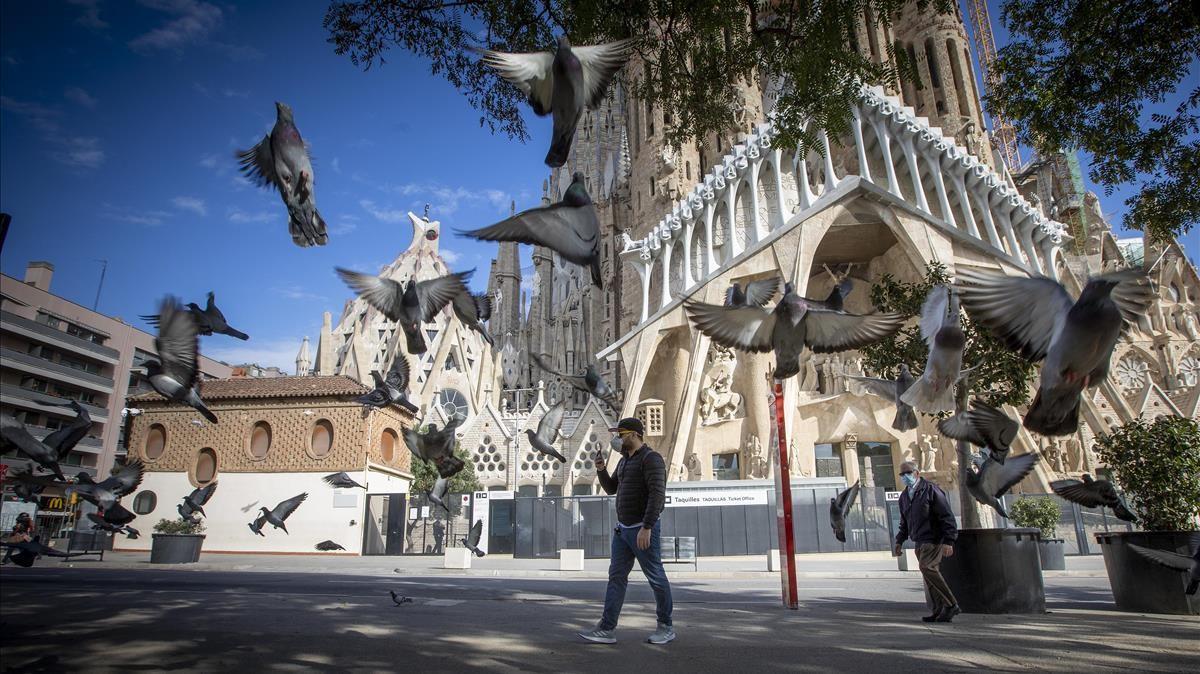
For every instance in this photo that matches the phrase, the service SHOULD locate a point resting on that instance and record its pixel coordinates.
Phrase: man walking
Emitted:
(926, 519)
(640, 483)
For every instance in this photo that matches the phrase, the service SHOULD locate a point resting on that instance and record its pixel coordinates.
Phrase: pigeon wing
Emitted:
(761, 291)
(382, 293)
(600, 62)
(177, 343)
(335, 478)
(203, 494)
(1171, 560)
(286, 508)
(992, 424)
(398, 373)
(258, 163)
(829, 331)
(933, 312)
(1024, 312)
(552, 421)
(413, 440)
(126, 479)
(476, 533)
(882, 388)
(436, 293)
(1078, 492)
(543, 365)
(1133, 294)
(532, 73)
(742, 328)
(14, 432)
(845, 500)
(999, 478)
(552, 226)
(959, 427)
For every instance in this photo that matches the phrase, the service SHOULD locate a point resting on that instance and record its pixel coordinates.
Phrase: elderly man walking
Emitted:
(926, 519)
(640, 483)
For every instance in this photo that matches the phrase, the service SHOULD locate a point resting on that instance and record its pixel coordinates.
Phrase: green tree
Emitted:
(425, 474)
(1000, 375)
(1081, 73)
(1157, 463)
(696, 53)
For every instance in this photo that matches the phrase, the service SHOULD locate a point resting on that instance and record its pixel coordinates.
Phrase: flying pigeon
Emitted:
(328, 546)
(756, 294)
(542, 441)
(14, 434)
(66, 437)
(589, 381)
(400, 600)
(786, 330)
(208, 320)
(1037, 318)
(933, 392)
(837, 297)
(27, 551)
(176, 376)
(106, 493)
(194, 502)
(562, 83)
(27, 486)
(281, 160)
(993, 479)
(276, 516)
(1094, 494)
(342, 481)
(390, 390)
(984, 426)
(906, 418)
(436, 446)
(472, 310)
(439, 491)
(839, 507)
(410, 304)
(570, 228)
(100, 523)
(1176, 562)
(471, 542)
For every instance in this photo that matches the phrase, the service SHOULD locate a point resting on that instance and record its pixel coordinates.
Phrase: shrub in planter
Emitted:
(176, 541)
(1157, 464)
(179, 526)
(1042, 513)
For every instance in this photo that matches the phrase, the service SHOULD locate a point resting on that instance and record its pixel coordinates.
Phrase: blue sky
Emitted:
(119, 120)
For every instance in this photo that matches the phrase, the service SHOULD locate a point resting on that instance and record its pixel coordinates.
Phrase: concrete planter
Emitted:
(176, 548)
(1140, 585)
(1052, 553)
(996, 571)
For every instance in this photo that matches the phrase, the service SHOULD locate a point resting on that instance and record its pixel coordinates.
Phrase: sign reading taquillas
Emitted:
(692, 498)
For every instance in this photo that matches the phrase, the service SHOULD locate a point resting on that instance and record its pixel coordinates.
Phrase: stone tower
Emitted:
(302, 362)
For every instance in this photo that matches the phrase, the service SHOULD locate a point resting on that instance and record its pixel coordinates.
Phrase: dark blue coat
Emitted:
(925, 516)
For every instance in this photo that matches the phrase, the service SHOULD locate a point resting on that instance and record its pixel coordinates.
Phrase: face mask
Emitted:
(909, 479)
(616, 443)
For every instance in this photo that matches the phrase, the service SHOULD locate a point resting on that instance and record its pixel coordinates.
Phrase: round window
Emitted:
(145, 502)
(454, 404)
(260, 440)
(321, 442)
(431, 234)
(156, 442)
(387, 444)
(206, 466)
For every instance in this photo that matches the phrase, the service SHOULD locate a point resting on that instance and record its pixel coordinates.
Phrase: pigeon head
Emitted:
(284, 111)
(904, 369)
(82, 477)
(265, 511)
(153, 367)
(194, 307)
(563, 42)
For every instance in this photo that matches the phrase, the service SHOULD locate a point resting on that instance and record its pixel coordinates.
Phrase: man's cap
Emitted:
(630, 424)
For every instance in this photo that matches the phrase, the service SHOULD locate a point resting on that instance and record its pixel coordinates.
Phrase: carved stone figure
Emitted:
(717, 402)
(694, 469)
(810, 382)
(1190, 326)
(756, 459)
(1054, 454)
(929, 451)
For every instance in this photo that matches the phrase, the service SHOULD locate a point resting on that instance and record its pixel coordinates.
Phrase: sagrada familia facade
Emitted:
(917, 181)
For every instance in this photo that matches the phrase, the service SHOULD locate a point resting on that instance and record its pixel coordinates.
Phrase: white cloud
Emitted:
(336, 164)
(75, 151)
(232, 93)
(209, 161)
(295, 292)
(80, 97)
(193, 204)
(91, 14)
(192, 23)
(384, 214)
(80, 151)
(279, 353)
(133, 216)
(442, 200)
(344, 224)
(240, 216)
(451, 257)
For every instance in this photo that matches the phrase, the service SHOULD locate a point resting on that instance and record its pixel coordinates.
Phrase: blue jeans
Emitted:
(624, 551)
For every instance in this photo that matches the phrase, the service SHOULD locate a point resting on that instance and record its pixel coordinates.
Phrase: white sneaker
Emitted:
(599, 636)
(664, 634)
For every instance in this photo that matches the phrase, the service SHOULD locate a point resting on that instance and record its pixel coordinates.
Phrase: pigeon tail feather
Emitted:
(237, 333)
(925, 397)
(208, 414)
(1054, 413)
(906, 418)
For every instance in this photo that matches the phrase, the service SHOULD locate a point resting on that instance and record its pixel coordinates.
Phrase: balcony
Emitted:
(47, 335)
(36, 400)
(24, 362)
(89, 444)
(20, 463)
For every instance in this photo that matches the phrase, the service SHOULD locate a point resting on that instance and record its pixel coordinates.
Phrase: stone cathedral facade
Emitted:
(917, 181)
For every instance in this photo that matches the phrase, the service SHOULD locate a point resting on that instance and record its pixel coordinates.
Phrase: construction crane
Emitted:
(1004, 136)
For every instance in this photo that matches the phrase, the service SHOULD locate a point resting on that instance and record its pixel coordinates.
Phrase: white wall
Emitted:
(237, 501)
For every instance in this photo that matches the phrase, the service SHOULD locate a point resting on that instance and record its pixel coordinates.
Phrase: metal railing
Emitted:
(14, 359)
(20, 325)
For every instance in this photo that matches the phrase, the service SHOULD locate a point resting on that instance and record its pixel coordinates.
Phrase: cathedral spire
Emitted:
(302, 361)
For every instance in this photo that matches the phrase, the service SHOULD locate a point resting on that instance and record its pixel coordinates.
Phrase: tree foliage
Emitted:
(1157, 463)
(179, 526)
(425, 474)
(1080, 74)
(695, 53)
(1040, 512)
(1001, 376)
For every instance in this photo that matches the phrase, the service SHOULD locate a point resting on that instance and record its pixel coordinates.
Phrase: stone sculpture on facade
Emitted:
(757, 466)
(929, 451)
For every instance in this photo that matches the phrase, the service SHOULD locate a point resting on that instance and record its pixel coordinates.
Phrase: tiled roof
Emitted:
(272, 387)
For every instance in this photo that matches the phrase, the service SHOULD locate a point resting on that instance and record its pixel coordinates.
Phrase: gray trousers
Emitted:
(929, 558)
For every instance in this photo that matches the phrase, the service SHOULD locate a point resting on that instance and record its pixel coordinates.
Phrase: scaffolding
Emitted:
(1004, 136)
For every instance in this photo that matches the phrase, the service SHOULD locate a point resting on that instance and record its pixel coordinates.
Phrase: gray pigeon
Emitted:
(436, 446)
(100, 522)
(839, 507)
(837, 296)
(906, 418)
(472, 310)
(410, 304)
(342, 481)
(562, 83)
(14, 434)
(1091, 493)
(547, 431)
(1036, 317)
(175, 374)
(27, 486)
(933, 392)
(194, 502)
(328, 546)
(106, 493)
(25, 552)
(756, 294)
(1176, 562)
(276, 516)
(589, 381)
(570, 228)
(993, 479)
(439, 491)
(786, 330)
(390, 390)
(400, 600)
(281, 160)
(984, 426)
(471, 542)
(208, 320)
(66, 437)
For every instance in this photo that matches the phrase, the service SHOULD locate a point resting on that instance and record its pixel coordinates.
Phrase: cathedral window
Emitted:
(453, 403)
(931, 61)
(960, 89)
(650, 412)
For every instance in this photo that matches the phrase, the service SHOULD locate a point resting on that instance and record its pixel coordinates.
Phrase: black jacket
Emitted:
(640, 483)
(925, 516)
